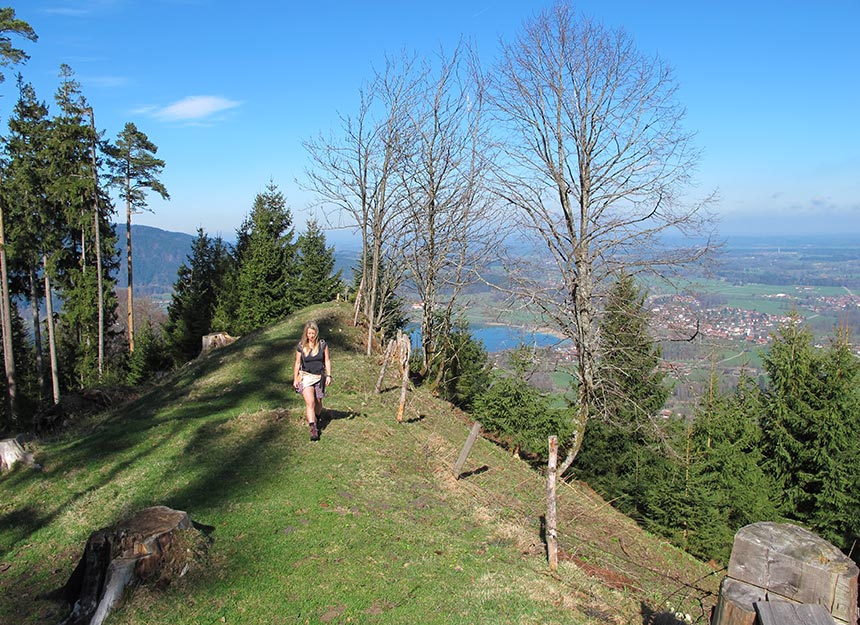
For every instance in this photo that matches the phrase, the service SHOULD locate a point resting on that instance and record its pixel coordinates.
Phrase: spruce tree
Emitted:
(317, 281)
(726, 484)
(9, 55)
(32, 225)
(625, 438)
(195, 293)
(811, 429)
(71, 264)
(266, 266)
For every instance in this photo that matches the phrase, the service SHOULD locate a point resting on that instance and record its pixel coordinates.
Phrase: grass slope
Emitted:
(365, 526)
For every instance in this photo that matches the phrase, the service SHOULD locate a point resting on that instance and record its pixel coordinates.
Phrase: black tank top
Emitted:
(313, 363)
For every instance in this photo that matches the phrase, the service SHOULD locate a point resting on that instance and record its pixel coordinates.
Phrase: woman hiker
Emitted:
(312, 373)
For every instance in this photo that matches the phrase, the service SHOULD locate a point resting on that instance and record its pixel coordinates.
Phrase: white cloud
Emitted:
(195, 107)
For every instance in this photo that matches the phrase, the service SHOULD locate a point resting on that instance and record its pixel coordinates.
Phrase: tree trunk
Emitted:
(37, 332)
(388, 351)
(52, 341)
(98, 242)
(130, 299)
(358, 297)
(6, 313)
(374, 291)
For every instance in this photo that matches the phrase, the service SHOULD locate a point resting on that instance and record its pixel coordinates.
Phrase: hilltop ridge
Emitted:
(366, 526)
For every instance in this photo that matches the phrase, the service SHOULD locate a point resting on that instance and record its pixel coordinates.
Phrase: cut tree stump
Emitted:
(144, 548)
(11, 452)
(784, 562)
(215, 340)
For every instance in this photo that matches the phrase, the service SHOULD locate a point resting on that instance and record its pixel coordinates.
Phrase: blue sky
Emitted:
(229, 90)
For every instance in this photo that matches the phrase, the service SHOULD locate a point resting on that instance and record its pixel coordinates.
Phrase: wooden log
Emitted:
(551, 525)
(790, 562)
(785, 613)
(11, 452)
(467, 447)
(388, 351)
(114, 557)
(736, 605)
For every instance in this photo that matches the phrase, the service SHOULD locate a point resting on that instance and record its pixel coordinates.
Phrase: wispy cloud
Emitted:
(106, 81)
(82, 8)
(194, 108)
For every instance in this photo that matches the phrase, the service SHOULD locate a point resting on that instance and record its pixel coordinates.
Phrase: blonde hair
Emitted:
(305, 343)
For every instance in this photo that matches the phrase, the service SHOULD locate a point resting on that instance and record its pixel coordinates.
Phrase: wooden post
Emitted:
(405, 345)
(388, 351)
(467, 448)
(551, 533)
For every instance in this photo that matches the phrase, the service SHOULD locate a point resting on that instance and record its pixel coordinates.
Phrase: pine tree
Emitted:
(317, 282)
(135, 170)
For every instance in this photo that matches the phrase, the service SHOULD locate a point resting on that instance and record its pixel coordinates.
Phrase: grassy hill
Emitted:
(365, 526)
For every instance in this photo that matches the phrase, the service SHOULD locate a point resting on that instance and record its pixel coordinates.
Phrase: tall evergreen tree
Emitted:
(73, 192)
(9, 55)
(725, 485)
(32, 225)
(265, 263)
(195, 294)
(317, 282)
(135, 170)
(811, 430)
(625, 436)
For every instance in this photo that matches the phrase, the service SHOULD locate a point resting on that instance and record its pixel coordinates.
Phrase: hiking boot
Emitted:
(315, 433)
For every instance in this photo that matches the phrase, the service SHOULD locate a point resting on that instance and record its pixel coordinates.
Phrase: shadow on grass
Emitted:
(226, 468)
(477, 471)
(17, 524)
(651, 617)
(227, 407)
(334, 415)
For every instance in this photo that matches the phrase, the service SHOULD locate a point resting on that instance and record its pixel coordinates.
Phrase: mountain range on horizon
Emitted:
(158, 253)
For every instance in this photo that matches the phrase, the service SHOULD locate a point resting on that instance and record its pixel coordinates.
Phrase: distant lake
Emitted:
(497, 338)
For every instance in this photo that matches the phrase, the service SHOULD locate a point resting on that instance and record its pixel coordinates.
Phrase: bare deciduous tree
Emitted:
(357, 174)
(596, 164)
(450, 225)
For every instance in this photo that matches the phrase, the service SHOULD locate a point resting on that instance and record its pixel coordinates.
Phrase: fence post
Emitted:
(405, 345)
(551, 533)
(467, 447)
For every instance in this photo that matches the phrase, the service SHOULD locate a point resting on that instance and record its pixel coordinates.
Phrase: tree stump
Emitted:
(215, 340)
(12, 452)
(783, 562)
(136, 550)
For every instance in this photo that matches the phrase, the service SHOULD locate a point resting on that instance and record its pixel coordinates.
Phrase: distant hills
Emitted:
(157, 256)
(159, 253)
